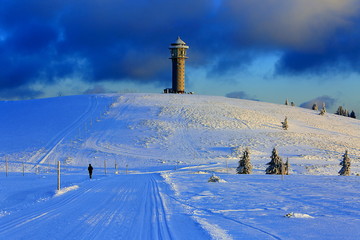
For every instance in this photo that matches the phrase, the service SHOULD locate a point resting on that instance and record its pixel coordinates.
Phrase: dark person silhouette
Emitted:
(90, 169)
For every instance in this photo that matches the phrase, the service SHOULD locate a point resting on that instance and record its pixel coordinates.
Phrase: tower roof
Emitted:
(179, 44)
(179, 41)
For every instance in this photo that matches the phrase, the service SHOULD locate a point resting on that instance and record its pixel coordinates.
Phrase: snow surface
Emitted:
(65, 190)
(165, 147)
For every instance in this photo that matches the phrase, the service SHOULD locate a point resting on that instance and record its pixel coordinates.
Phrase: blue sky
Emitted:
(265, 50)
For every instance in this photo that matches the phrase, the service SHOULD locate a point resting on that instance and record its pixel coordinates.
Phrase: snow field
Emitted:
(135, 206)
(254, 206)
(186, 138)
(159, 131)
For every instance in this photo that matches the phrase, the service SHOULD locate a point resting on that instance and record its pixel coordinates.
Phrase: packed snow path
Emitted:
(120, 207)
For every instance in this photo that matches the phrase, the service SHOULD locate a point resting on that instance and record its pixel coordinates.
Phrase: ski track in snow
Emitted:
(126, 207)
(59, 138)
(214, 216)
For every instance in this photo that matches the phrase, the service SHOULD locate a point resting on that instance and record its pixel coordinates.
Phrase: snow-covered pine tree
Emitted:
(286, 102)
(345, 163)
(315, 107)
(340, 111)
(275, 165)
(245, 166)
(352, 114)
(323, 110)
(285, 124)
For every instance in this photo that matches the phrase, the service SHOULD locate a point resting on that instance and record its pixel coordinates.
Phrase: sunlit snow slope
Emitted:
(169, 146)
(160, 131)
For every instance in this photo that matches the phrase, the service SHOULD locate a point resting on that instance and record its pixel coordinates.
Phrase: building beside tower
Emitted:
(178, 56)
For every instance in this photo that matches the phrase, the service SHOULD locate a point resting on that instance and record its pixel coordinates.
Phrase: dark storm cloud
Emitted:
(43, 41)
(31, 38)
(341, 53)
(241, 95)
(98, 40)
(319, 101)
(314, 36)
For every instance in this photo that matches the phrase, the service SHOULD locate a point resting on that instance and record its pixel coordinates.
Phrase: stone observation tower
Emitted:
(178, 56)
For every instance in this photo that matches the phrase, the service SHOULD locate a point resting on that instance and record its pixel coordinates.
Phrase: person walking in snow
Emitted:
(90, 169)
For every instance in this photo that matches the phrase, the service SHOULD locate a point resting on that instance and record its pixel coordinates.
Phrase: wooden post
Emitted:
(6, 165)
(116, 171)
(105, 166)
(126, 169)
(23, 167)
(58, 175)
(226, 166)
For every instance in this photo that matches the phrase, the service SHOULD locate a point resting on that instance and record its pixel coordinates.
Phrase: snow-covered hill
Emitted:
(159, 131)
(170, 145)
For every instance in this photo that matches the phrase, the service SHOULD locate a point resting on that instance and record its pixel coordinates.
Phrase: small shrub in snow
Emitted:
(275, 165)
(285, 124)
(345, 163)
(297, 215)
(289, 215)
(245, 166)
(214, 178)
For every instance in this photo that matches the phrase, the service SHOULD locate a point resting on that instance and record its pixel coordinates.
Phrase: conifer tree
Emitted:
(315, 107)
(352, 114)
(286, 102)
(285, 125)
(245, 166)
(275, 165)
(292, 104)
(340, 111)
(323, 110)
(345, 163)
